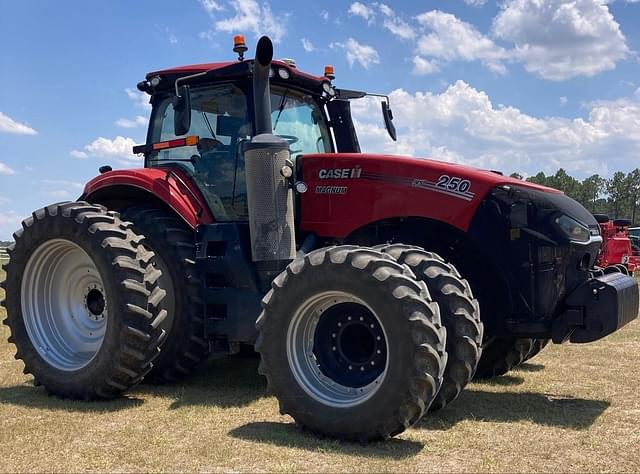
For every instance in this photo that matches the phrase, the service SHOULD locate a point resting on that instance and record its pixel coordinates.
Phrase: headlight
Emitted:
(573, 229)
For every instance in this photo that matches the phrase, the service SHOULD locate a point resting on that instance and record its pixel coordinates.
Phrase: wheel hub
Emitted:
(349, 346)
(337, 349)
(95, 303)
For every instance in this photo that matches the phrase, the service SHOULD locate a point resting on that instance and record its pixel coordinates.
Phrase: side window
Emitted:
(219, 118)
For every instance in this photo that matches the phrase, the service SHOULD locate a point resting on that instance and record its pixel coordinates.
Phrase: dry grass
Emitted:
(575, 408)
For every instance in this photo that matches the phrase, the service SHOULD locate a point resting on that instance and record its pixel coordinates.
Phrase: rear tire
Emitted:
(82, 301)
(500, 355)
(349, 345)
(173, 244)
(459, 311)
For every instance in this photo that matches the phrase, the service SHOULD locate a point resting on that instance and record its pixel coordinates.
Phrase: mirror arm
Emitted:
(187, 78)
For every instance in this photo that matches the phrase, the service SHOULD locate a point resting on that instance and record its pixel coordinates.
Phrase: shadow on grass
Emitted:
(529, 367)
(503, 381)
(226, 382)
(542, 409)
(288, 435)
(36, 397)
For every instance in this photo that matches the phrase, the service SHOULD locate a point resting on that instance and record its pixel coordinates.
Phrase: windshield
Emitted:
(299, 119)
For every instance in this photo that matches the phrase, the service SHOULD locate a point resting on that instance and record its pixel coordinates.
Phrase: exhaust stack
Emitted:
(269, 197)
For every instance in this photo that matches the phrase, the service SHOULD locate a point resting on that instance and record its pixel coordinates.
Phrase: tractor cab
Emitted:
(203, 118)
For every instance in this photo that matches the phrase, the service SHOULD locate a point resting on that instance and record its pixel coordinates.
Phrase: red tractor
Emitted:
(256, 220)
(617, 248)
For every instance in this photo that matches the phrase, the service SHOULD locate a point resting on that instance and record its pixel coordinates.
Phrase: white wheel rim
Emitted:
(64, 304)
(305, 365)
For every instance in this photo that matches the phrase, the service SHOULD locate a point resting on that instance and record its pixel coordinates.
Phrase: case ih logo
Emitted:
(341, 173)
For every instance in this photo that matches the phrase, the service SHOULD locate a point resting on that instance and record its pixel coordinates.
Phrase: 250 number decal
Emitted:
(453, 183)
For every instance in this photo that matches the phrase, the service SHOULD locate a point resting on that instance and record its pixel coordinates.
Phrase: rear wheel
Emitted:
(173, 245)
(349, 345)
(459, 311)
(82, 300)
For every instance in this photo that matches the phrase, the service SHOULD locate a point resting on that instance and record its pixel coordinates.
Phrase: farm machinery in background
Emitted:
(374, 287)
(619, 247)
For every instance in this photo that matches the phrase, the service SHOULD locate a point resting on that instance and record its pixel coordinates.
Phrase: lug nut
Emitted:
(350, 367)
(361, 369)
(333, 348)
(333, 335)
(361, 318)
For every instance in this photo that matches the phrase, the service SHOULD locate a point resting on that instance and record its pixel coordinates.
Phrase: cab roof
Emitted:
(196, 68)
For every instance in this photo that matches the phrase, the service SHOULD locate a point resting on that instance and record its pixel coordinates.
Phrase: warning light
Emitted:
(329, 73)
(239, 46)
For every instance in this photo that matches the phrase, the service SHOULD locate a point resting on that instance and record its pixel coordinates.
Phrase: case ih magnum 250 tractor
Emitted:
(373, 286)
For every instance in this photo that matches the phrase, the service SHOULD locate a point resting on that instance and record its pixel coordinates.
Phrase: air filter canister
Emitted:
(269, 199)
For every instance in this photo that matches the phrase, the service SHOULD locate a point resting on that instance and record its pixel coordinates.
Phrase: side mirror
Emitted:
(387, 115)
(182, 111)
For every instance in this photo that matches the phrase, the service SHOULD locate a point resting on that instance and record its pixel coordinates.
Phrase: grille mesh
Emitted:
(270, 203)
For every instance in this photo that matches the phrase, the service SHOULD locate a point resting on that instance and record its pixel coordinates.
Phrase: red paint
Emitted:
(372, 199)
(616, 247)
(186, 202)
(196, 68)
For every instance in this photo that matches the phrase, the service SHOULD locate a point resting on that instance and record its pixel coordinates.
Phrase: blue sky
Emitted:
(517, 85)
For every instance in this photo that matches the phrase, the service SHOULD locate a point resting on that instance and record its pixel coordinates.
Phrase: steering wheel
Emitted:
(289, 138)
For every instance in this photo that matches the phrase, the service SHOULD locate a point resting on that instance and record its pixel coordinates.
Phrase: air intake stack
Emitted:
(269, 197)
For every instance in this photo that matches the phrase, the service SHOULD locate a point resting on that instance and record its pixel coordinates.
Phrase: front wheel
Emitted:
(349, 345)
(82, 301)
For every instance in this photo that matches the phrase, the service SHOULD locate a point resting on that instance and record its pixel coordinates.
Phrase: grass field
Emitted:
(575, 408)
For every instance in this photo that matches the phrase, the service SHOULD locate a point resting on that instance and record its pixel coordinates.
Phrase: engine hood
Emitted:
(419, 164)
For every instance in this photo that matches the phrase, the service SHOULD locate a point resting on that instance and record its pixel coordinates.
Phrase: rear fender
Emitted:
(165, 187)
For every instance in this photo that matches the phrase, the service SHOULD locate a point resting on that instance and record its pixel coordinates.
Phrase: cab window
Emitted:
(219, 118)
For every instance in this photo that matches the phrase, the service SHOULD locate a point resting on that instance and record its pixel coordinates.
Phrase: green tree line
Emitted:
(618, 196)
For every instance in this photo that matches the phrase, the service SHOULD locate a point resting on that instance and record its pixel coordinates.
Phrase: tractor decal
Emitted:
(452, 186)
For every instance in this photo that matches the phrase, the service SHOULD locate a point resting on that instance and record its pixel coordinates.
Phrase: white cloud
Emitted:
(464, 126)
(563, 100)
(475, 3)
(422, 66)
(138, 121)
(324, 14)
(394, 24)
(79, 154)
(6, 170)
(173, 39)
(307, 45)
(256, 18)
(361, 10)
(448, 38)
(558, 40)
(120, 147)
(8, 125)
(4, 200)
(140, 99)
(211, 6)
(355, 52)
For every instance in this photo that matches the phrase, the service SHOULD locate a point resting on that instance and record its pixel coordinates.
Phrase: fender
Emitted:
(171, 186)
(347, 191)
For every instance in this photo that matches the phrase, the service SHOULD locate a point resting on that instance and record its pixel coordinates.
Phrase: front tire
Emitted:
(349, 345)
(82, 301)
(501, 354)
